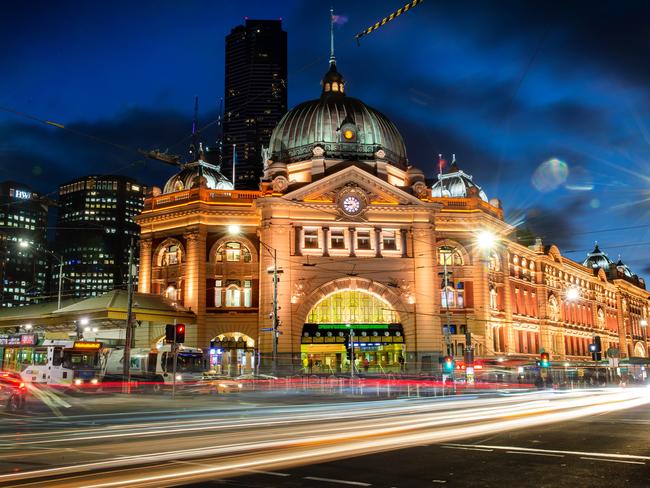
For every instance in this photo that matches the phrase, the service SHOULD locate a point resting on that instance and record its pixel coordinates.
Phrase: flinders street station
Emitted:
(346, 243)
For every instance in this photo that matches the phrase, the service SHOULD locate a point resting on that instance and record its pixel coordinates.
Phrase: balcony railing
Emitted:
(202, 195)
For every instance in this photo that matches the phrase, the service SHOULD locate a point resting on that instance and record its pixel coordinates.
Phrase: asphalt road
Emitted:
(607, 450)
(459, 441)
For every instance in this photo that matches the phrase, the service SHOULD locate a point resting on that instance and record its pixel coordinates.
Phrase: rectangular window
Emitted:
(217, 293)
(337, 239)
(311, 238)
(389, 241)
(248, 294)
(363, 239)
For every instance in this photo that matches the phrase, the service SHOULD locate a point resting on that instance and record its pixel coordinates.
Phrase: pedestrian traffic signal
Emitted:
(448, 364)
(180, 333)
(169, 333)
(544, 360)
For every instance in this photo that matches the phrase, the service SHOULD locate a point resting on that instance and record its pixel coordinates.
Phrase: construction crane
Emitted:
(388, 18)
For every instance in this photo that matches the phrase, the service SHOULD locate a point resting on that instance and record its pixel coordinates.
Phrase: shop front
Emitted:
(352, 320)
(232, 354)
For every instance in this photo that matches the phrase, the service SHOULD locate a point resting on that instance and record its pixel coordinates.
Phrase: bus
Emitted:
(155, 366)
(64, 363)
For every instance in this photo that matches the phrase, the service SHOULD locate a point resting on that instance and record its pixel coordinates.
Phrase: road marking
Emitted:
(556, 451)
(341, 482)
(535, 453)
(438, 481)
(611, 460)
(271, 473)
(467, 448)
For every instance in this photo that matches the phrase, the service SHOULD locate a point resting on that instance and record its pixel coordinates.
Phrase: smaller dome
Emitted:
(197, 174)
(597, 259)
(623, 268)
(455, 183)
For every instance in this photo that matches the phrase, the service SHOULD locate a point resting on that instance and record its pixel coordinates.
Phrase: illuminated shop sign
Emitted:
(18, 340)
(22, 194)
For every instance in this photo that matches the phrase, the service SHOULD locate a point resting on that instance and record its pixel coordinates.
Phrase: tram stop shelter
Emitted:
(101, 318)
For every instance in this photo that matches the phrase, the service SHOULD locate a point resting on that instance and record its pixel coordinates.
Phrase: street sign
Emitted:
(613, 352)
(267, 329)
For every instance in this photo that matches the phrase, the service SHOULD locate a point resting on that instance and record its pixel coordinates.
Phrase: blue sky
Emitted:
(506, 85)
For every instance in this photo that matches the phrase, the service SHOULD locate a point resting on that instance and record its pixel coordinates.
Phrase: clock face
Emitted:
(351, 205)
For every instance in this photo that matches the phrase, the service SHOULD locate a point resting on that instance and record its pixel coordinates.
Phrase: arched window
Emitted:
(352, 307)
(233, 252)
(170, 255)
(335, 86)
(172, 294)
(494, 263)
(450, 256)
(327, 87)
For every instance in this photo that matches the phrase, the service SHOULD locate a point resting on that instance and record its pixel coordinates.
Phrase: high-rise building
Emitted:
(94, 229)
(23, 239)
(255, 95)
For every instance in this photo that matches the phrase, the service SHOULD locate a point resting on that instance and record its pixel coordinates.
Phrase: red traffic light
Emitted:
(180, 328)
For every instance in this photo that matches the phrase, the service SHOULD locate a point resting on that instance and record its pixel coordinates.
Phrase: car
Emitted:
(221, 384)
(12, 391)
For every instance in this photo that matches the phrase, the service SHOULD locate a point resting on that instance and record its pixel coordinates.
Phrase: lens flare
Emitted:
(550, 175)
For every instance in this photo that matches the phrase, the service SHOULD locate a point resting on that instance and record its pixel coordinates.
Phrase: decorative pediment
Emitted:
(376, 190)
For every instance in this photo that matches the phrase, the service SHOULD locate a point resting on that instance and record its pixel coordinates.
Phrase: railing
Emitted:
(468, 204)
(201, 195)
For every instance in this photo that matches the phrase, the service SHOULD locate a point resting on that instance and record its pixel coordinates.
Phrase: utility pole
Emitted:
(58, 303)
(275, 311)
(126, 372)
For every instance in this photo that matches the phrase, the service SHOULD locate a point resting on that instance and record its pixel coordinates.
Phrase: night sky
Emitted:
(545, 103)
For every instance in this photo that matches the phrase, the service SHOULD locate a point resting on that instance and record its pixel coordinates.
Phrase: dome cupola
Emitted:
(336, 126)
(597, 259)
(455, 183)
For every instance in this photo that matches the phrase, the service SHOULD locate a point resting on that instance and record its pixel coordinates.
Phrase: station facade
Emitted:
(362, 243)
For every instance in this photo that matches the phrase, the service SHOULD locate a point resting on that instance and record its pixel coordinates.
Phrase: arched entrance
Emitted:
(356, 316)
(639, 350)
(232, 353)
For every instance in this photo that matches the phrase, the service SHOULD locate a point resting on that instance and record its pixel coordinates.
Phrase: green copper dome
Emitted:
(344, 127)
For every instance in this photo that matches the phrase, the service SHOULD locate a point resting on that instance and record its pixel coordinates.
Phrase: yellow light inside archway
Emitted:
(348, 134)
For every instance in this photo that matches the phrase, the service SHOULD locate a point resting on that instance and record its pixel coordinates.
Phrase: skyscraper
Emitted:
(94, 231)
(255, 95)
(23, 239)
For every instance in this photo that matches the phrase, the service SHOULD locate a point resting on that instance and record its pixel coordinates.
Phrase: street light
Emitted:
(486, 240)
(572, 294)
(25, 244)
(235, 229)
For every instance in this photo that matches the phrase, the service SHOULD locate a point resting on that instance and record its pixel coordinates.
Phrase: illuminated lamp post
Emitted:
(486, 241)
(234, 229)
(26, 245)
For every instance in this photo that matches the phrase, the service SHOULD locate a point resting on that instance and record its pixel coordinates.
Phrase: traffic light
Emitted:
(169, 334)
(448, 364)
(544, 360)
(595, 348)
(180, 333)
(175, 333)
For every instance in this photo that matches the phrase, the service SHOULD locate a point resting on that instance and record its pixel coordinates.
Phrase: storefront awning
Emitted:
(364, 333)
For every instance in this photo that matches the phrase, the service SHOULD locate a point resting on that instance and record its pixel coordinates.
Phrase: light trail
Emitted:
(285, 444)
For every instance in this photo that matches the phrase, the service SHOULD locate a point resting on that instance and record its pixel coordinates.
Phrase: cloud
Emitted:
(46, 156)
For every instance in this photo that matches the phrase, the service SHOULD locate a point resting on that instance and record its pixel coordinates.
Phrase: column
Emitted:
(144, 275)
(326, 241)
(622, 332)
(429, 344)
(353, 241)
(195, 282)
(403, 235)
(297, 237)
(378, 242)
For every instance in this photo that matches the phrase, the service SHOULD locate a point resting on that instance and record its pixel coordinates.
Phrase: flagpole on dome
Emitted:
(332, 58)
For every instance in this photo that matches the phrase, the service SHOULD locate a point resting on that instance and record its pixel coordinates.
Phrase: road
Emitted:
(462, 441)
(608, 450)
